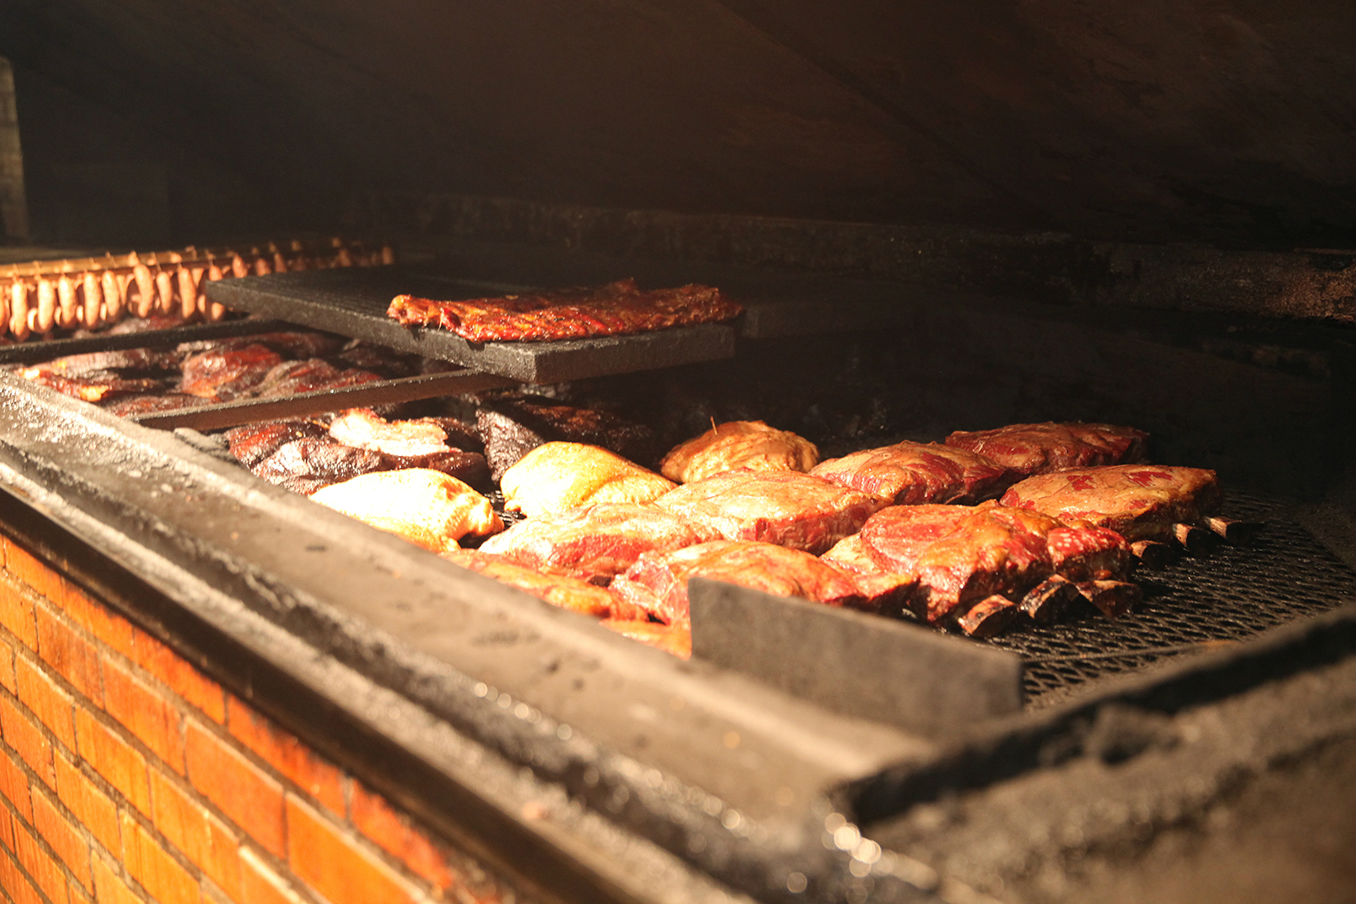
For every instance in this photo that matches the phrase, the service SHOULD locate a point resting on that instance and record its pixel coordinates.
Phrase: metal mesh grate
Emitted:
(1196, 603)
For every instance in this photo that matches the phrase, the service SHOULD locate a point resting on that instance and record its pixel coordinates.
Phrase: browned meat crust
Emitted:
(657, 582)
(738, 444)
(912, 473)
(1039, 448)
(510, 428)
(618, 307)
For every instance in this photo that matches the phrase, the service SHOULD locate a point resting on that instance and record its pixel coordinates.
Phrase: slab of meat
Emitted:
(307, 463)
(510, 428)
(738, 444)
(252, 443)
(1028, 449)
(228, 372)
(429, 508)
(618, 307)
(559, 590)
(657, 582)
(92, 386)
(136, 362)
(309, 375)
(128, 406)
(302, 456)
(788, 508)
(911, 473)
(1142, 502)
(978, 567)
(364, 428)
(595, 542)
(676, 640)
(556, 476)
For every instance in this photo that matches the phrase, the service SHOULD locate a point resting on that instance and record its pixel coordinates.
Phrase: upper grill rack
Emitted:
(1194, 604)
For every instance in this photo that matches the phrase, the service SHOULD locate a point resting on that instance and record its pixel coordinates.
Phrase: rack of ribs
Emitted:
(595, 542)
(1027, 449)
(788, 508)
(611, 309)
(657, 582)
(910, 473)
(1153, 506)
(981, 567)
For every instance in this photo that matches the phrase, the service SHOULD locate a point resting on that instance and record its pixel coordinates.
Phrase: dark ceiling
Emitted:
(1221, 120)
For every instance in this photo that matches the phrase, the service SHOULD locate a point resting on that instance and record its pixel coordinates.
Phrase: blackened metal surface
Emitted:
(816, 652)
(354, 301)
(1192, 605)
(34, 351)
(380, 392)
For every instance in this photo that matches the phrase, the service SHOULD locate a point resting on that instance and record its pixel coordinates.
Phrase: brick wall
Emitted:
(128, 775)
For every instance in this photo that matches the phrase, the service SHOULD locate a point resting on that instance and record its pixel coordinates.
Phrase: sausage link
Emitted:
(66, 301)
(42, 317)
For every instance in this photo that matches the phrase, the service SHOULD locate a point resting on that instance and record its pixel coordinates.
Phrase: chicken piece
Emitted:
(788, 508)
(429, 508)
(1028, 449)
(911, 473)
(595, 542)
(657, 582)
(1141, 502)
(738, 444)
(676, 640)
(558, 475)
(560, 590)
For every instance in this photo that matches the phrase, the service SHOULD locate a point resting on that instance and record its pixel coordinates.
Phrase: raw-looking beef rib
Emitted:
(1028, 449)
(738, 444)
(788, 508)
(618, 307)
(510, 428)
(560, 590)
(657, 582)
(1152, 505)
(980, 566)
(429, 508)
(911, 473)
(558, 475)
(595, 542)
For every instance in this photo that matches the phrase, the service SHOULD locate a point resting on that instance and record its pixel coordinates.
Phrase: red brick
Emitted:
(96, 618)
(375, 818)
(14, 784)
(94, 809)
(52, 705)
(152, 866)
(334, 865)
(245, 793)
(200, 836)
(6, 829)
(7, 679)
(77, 894)
(73, 657)
(63, 838)
(261, 885)
(146, 714)
(320, 779)
(179, 675)
(26, 738)
(16, 615)
(15, 884)
(46, 872)
(113, 758)
(34, 572)
(108, 888)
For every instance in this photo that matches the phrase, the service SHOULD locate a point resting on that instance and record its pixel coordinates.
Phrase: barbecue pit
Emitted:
(804, 754)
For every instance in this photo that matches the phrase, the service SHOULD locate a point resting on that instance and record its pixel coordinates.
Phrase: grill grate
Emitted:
(1192, 605)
